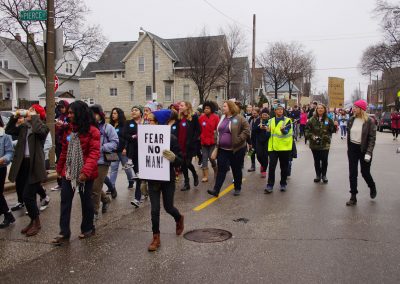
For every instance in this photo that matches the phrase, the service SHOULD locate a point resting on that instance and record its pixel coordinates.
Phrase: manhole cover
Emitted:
(208, 235)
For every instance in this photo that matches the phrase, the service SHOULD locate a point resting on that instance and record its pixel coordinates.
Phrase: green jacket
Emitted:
(322, 129)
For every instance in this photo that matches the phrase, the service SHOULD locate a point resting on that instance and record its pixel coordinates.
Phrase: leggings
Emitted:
(167, 189)
(187, 165)
(395, 132)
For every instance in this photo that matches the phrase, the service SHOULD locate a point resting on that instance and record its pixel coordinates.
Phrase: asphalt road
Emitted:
(305, 235)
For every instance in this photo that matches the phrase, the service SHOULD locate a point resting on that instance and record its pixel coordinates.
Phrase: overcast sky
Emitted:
(336, 31)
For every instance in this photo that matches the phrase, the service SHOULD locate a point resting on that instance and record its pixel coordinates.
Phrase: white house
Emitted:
(19, 79)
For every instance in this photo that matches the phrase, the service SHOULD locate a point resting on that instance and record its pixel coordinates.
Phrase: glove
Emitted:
(367, 158)
(169, 155)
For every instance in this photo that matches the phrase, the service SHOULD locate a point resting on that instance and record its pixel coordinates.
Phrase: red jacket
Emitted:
(90, 144)
(395, 117)
(208, 126)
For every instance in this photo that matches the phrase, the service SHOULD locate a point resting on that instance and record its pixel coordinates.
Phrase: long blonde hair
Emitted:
(189, 111)
(363, 115)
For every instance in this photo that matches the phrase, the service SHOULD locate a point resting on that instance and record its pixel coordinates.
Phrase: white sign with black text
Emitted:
(152, 141)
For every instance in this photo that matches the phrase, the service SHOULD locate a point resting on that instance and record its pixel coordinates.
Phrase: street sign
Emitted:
(55, 83)
(33, 15)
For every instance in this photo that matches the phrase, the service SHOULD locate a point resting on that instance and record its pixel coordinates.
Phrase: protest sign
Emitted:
(153, 140)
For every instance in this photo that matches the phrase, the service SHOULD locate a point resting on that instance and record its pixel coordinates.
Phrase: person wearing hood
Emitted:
(108, 144)
(361, 137)
(6, 155)
(166, 188)
(261, 140)
(28, 167)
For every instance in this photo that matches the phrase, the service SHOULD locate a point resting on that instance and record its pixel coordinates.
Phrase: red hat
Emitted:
(361, 104)
(40, 111)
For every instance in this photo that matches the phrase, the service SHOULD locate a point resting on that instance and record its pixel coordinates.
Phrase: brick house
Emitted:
(123, 76)
(19, 80)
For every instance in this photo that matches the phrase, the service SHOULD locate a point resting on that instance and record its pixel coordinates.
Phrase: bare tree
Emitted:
(272, 61)
(204, 57)
(236, 44)
(297, 64)
(85, 41)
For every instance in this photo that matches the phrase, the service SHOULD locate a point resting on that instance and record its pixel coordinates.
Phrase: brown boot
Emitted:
(35, 228)
(180, 226)
(155, 244)
(205, 175)
(26, 229)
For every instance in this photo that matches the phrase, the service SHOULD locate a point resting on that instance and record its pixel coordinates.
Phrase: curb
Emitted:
(10, 187)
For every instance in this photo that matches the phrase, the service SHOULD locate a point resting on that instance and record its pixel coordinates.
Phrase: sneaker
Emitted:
(8, 220)
(268, 189)
(325, 179)
(213, 192)
(351, 202)
(283, 187)
(252, 169)
(17, 206)
(44, 203)
(127, 166)
(56, 188)
(135, 203)
(104, 207)
(317, 179)
(237, 192)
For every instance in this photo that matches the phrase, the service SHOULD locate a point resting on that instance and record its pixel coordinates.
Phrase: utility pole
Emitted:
(50, 62)
(154, 66)
(253, 61)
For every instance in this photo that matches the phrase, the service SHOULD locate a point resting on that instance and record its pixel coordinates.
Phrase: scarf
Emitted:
(74, 162)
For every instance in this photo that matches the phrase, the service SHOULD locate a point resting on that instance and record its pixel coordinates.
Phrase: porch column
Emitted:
(14, 95)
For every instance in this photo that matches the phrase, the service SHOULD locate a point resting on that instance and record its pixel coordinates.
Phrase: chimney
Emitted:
(31, 37)
(140, 34)
(18, 36)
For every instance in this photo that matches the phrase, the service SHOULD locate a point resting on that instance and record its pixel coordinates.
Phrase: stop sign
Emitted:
(55, 83)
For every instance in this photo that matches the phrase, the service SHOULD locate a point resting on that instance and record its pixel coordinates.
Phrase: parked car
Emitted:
(384, 121)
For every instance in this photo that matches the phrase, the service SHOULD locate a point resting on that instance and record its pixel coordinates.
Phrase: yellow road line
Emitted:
(213, 199)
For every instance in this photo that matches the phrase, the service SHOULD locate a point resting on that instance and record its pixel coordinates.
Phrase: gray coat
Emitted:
(37, 171)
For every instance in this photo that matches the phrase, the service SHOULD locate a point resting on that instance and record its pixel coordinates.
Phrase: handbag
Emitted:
(109, 156)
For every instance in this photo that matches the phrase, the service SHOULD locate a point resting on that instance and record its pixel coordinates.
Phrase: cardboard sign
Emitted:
(152, 141)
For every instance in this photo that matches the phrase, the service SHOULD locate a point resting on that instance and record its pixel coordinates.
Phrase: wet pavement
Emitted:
(304, 235)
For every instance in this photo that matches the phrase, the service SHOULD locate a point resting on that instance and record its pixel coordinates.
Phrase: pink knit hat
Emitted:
(361, 104)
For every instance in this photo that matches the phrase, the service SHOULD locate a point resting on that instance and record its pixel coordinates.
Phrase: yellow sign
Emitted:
(305, 101)
(336, 92)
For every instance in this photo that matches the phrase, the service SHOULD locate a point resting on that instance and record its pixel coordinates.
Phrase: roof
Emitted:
(13, 74)
(284, 89)
(18, 48)
(115, 52)
(59, 94)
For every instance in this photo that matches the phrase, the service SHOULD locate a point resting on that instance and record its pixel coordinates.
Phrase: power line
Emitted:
(325, 39)
(225, 15)
(335, 68)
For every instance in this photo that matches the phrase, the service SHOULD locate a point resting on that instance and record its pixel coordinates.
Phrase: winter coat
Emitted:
(130, 136)
(47, 146)
(368, 135)
(108, 141)
(36, 139)
(90, 144)
(303, 118)
(119, 129)
(322, 129)
(6, 148)
(260, 135)
(395, 118)
(208, 126)
(193, 134)
(240, 131)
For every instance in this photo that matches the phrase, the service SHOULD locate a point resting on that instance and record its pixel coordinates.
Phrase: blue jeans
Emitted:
(343, 129)
(123, 159)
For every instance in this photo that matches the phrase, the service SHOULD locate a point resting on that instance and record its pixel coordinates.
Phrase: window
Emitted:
(186, 93)
(168, 92)
(70, 68)
(123, 75)
(149, 96)
(246, 77)
(71, 92)
(157, 63)
(115, 74)
(132, 91)
(141, 63)
(113, 92)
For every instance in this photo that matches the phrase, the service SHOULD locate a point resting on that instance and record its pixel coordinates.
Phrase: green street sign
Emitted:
(33, 15)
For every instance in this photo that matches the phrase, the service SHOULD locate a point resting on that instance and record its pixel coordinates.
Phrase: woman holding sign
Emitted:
(188, 134)
(166, 188)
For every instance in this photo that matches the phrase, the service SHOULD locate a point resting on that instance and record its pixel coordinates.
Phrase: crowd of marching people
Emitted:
(90, 148)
